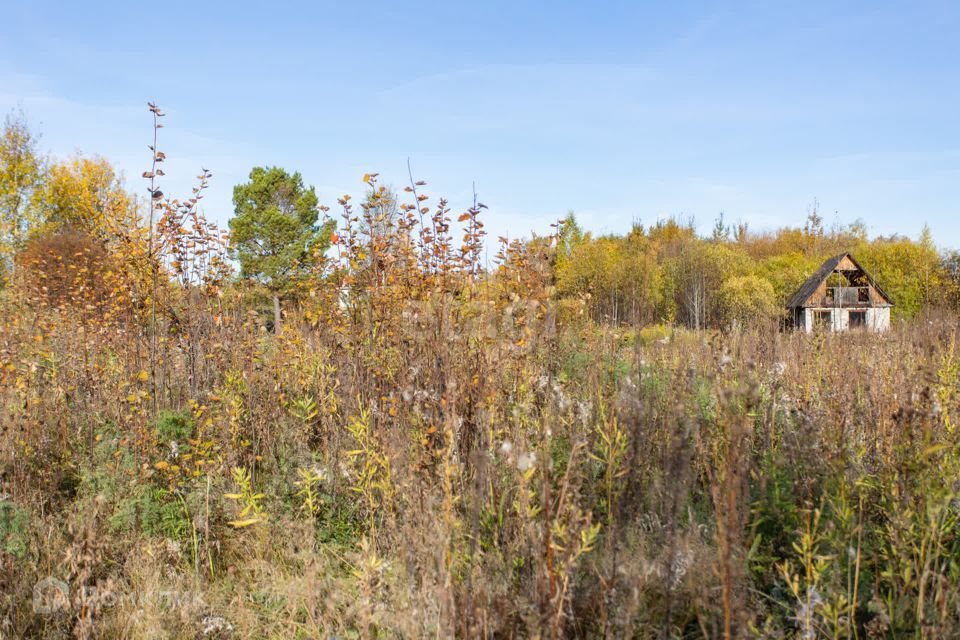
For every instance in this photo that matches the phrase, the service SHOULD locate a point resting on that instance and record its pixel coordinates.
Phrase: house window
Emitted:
(858, 319)
(822, 320)
(863, 294)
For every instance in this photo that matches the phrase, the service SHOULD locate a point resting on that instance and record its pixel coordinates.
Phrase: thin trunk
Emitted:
(154, 268)
(276, 313)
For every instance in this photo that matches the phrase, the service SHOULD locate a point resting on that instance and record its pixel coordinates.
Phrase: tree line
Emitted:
(662, 273)
(667, 273)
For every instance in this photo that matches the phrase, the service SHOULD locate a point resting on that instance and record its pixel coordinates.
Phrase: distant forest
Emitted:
(667, 273)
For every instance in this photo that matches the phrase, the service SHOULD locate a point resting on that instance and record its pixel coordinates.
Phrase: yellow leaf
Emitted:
(243, 523)
(143, 376)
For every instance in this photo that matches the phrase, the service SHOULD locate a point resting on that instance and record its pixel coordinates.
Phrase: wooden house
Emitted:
(839, 296)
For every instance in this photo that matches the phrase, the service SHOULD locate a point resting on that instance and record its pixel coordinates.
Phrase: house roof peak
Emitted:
(808, 288)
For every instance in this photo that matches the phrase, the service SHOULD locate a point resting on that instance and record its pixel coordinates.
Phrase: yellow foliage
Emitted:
(86, 194)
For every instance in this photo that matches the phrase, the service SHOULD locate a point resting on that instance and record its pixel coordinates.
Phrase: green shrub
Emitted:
(173, 426)
(14, 528)
(158, 512)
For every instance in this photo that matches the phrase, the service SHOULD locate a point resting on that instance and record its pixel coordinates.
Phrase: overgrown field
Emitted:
(463, 458)
(372, 433)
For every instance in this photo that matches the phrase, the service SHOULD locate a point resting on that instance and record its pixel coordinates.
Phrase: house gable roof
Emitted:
(810, 287)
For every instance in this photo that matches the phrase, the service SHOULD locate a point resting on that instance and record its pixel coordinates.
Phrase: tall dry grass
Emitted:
(429, 449)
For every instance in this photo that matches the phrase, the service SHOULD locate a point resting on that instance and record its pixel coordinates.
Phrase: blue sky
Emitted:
(618, 111)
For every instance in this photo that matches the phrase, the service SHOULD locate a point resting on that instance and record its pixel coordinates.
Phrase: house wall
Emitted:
(841, 320)
(878, 318)
(808, 317)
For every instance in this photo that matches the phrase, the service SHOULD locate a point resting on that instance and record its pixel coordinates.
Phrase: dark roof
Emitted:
(809, 287)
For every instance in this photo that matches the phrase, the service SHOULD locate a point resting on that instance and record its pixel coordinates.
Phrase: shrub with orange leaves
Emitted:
(68, 270)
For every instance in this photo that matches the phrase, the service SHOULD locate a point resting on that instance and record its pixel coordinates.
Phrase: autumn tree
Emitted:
(590, 270)
(910, 272)
(21, 175)
(786, 272)
(620, 274)
(570, 237)
(274, 230)
(694, 278)
(86, 195)
(748, 300)
(950, 268)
